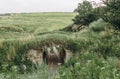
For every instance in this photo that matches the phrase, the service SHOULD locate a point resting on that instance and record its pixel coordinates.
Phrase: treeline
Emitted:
(109, 11)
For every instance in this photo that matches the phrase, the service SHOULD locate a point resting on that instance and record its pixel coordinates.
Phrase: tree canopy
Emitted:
(86, 13)
(112, 12)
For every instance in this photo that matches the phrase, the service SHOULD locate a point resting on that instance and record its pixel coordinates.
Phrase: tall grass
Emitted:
(96, 49)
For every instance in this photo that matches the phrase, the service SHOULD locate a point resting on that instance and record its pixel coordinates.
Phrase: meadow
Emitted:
(96, 48)
(21, 25)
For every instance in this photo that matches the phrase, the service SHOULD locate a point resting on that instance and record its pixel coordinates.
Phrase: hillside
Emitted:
(95, 48)
(22, 25)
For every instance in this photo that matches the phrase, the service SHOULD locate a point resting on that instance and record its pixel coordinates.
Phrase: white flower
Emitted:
(89, 61)
(102, 68)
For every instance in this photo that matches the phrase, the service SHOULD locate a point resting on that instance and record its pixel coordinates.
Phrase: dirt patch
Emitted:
(34, 56)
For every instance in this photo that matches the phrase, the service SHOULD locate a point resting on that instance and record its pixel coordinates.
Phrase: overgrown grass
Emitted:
(96, 48)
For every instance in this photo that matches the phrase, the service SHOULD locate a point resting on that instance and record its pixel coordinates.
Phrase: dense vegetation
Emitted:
(93, 38)
(96, 48)
(88, 12)
(112, 12)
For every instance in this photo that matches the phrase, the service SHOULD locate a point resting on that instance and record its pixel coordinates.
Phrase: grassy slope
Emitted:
(22, 25)
(97, 47)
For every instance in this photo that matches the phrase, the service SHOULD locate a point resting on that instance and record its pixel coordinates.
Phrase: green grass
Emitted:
(21, 25)
(96, 48)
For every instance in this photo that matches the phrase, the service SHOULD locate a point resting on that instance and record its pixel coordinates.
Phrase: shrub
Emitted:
(98, 25)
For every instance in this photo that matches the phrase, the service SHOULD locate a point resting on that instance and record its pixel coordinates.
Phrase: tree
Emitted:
(86, 14)
(112, 12)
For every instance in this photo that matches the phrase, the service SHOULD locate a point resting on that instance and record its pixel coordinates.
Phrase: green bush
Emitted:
(98, 25)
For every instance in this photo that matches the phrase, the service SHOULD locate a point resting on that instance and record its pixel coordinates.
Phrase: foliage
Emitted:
(98, 26)
(112, 12)
(96, 52)
(90, 66)
(86, 14)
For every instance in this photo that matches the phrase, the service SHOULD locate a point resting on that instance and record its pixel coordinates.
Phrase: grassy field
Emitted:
(96, 48)
(22, 25)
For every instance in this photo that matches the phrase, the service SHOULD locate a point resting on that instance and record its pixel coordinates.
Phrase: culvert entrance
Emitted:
(51, 55)
(54, 55)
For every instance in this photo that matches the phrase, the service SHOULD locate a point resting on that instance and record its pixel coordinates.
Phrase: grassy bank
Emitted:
(96, 48)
